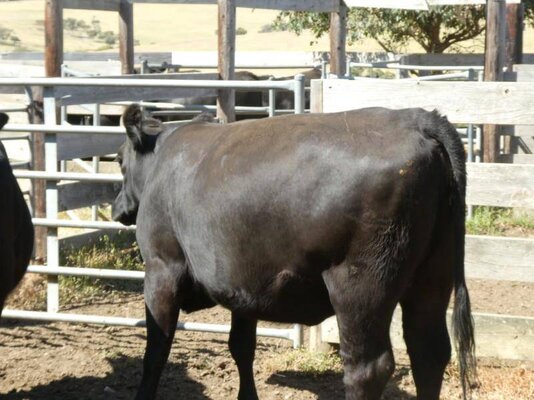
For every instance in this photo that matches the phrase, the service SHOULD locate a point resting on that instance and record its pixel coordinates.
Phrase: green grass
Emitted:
(499, 221)
(315, 364)
(373, 73)
(120, 253)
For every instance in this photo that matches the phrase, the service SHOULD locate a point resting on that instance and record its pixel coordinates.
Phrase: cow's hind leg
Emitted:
(242, 343)
(424, 308)
(363, 309)
(162, 306)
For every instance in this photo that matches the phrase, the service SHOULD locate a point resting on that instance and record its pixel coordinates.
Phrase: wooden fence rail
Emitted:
(501, 103)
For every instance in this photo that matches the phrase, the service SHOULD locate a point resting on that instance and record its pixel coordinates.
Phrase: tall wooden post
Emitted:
(338, 35)
(53, 37)
(53, 58)
(493, 68)
(226, 58)
(126, 37)
(514, 35)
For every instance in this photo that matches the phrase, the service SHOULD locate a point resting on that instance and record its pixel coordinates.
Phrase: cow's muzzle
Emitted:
(123, 214)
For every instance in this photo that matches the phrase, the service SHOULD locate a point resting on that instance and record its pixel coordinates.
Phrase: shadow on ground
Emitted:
(329, 386)
(120, 384)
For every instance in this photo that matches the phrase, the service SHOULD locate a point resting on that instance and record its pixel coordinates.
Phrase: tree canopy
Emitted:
(436, 30)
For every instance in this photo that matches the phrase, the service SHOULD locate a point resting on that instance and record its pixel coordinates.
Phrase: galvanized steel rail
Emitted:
(52, 176)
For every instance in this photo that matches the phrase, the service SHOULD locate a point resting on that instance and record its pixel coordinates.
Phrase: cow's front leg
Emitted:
(242, 345)
(162, 304)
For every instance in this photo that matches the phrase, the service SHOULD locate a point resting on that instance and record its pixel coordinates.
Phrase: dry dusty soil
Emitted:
(74, 361)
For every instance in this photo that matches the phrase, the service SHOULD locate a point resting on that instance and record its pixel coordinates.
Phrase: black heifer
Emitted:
(244, 97)
(300, 217)
(285, 100)
(16, 229)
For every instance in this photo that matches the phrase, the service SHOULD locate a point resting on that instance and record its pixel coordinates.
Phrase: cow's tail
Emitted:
(440, 129)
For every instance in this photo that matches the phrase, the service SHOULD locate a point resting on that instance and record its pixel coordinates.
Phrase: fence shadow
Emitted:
(329, 386)
(121, 383)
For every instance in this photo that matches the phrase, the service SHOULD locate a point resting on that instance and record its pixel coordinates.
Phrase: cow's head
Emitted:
(3, 119)
(135, 157)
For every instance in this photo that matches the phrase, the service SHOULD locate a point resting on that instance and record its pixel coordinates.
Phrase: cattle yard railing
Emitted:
(488, 184)
(171, 108)
(56, 93)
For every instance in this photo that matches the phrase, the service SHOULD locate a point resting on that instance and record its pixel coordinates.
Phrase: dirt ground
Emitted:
(75, 361)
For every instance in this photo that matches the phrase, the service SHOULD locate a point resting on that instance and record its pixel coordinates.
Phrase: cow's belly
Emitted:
(286, 297)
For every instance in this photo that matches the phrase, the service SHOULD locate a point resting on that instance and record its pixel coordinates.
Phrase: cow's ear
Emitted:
(139, 129)
(3, 119)
(132, 119)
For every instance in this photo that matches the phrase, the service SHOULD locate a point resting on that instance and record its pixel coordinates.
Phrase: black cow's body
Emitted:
(297, 218)
(16, 229)
(284, 100)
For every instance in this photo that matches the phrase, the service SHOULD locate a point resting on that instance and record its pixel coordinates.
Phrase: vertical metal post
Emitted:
(96, 159)
(299, 94)
(52, 243)
(470, 144)
(63, 108)
(298, 336)
(323, 69)
(470, 152)
(348, 72)
(272, 101)
(478, 140)
(471, 75)
(144, 67)
(63, 118)
(298, 333)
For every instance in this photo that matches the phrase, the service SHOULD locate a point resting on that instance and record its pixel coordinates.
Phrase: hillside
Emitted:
(163, 27)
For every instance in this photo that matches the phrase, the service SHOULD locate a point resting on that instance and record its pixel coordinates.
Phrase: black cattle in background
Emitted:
(285, 100)
(248, 98)
(296, 218)
(253, 98)
(16, 229)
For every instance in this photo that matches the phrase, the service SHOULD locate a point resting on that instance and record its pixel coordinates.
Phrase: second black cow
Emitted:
(16, 229)
(297, 218)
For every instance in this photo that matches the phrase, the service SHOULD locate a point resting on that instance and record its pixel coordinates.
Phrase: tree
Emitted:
(529, 11)
(436, 30)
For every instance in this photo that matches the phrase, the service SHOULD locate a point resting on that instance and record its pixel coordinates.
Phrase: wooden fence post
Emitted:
(126, 37)
(226, 58)
(53, 58)
(493, 68)
(338, 35)
(53, 37)
(514, 35)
